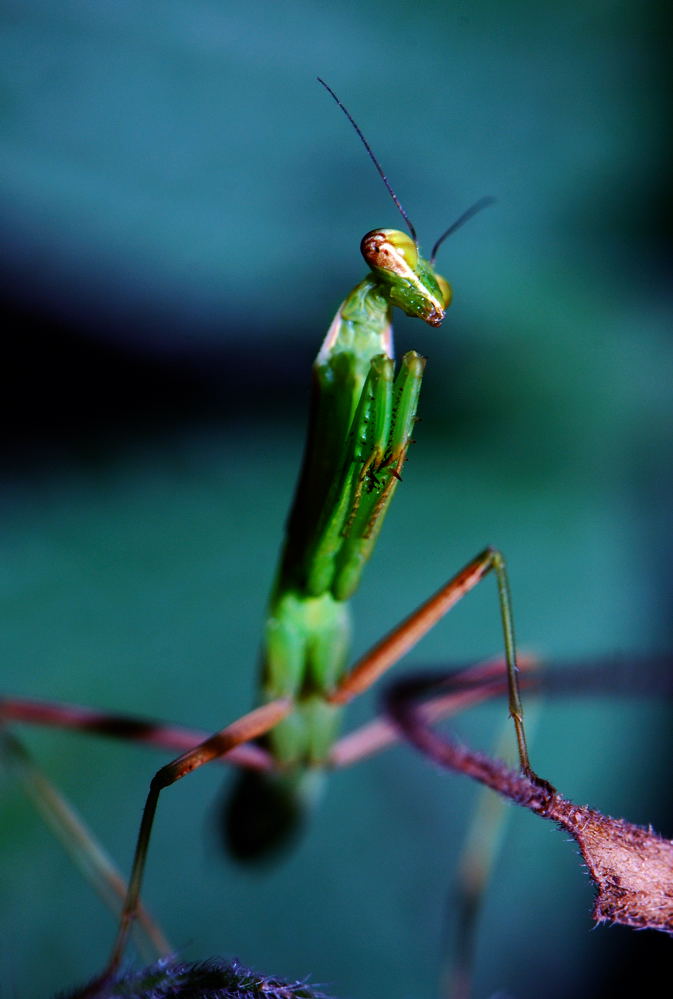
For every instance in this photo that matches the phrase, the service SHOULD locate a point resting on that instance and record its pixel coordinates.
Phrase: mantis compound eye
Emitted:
(389, 250)
(445, 288)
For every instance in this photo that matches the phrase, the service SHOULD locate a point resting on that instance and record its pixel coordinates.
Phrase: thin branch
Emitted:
(631, 867)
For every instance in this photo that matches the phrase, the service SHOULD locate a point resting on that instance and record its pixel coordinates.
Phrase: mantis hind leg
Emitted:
(250, 726)
(77, 839)
(406, 635)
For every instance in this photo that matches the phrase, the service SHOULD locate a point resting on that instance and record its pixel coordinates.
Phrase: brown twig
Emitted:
(631, 867)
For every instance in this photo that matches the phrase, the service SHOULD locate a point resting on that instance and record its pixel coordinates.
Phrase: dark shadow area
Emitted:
(70, 391)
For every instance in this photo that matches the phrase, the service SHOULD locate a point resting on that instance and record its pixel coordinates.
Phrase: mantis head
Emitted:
(408, 280)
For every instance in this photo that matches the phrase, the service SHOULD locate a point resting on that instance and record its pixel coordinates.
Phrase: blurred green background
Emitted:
(181, 208)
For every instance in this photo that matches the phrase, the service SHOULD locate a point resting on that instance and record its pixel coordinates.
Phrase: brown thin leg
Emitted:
(130, 728)
(404, 637)
(81, 844)
(250, 726)
(461, 690)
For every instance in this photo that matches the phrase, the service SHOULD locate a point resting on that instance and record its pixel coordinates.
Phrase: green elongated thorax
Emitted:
(361, 420)
(307, 633)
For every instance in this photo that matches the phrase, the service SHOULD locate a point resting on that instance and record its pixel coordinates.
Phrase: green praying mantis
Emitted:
(361, 425)
(360, 429)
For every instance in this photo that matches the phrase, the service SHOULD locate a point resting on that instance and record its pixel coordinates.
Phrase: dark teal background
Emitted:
(181, 208)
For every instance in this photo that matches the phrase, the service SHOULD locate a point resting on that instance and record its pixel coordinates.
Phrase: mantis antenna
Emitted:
(460, 221)
(374, 160)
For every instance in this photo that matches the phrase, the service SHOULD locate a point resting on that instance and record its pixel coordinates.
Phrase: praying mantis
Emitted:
(361, 427)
